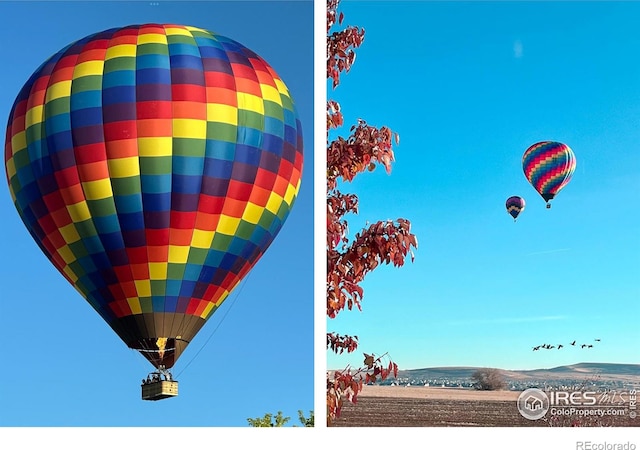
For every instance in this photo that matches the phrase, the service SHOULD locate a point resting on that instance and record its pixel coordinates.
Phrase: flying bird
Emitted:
(597, 340)
(573, 343)
(560, 346)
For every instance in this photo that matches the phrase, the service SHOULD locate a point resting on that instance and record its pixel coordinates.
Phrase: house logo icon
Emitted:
(533, 404)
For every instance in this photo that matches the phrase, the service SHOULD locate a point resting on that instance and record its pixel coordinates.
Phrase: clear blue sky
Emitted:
(469, 87)
(254, 355)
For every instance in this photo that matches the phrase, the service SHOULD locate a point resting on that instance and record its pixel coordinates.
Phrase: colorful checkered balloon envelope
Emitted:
(548, 166)
(154, 165)
(515, 205)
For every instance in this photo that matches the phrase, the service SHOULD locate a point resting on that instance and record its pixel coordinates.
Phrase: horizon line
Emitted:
(519, 370)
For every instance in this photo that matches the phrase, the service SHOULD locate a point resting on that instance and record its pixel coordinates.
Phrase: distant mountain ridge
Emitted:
(580, 371)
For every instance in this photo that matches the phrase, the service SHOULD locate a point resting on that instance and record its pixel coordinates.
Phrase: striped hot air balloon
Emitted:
(515, 205)
(154, 165)
(548, 166)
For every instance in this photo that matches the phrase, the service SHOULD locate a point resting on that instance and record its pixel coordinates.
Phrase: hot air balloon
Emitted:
(515, 205)
(154, 165)
(548, 166)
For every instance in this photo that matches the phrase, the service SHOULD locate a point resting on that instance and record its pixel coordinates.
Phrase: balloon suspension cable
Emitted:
(141, 359)
(144, 362)
(233, 301)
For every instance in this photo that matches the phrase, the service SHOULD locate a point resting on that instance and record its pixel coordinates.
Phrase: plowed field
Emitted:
(395, 406)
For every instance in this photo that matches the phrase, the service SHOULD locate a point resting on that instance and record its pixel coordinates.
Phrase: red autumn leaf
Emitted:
(368, 360)
(351, 259)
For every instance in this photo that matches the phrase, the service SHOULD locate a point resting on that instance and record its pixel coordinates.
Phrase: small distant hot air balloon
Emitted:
(515, 205)
(154, 165)
(548, 166)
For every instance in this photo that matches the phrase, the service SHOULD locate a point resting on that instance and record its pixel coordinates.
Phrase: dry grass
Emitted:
(439, 393)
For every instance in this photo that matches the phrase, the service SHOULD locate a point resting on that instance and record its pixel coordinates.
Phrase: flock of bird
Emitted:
(559, 346)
